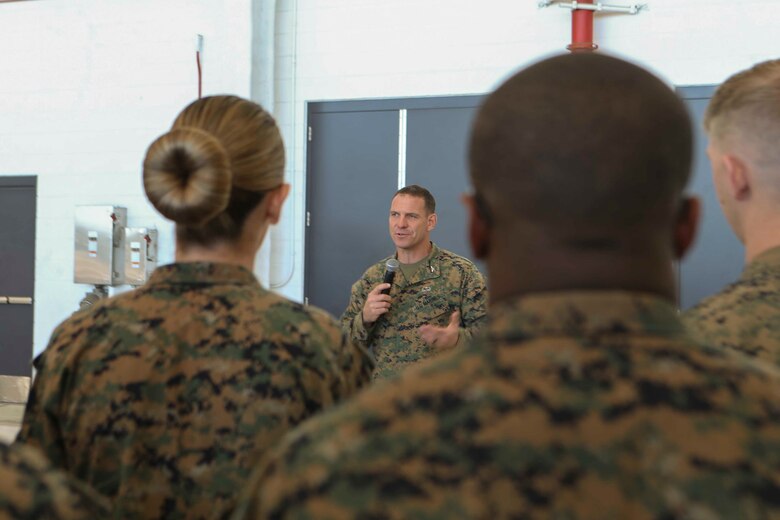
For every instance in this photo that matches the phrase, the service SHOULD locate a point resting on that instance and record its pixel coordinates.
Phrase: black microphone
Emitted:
(391, 266)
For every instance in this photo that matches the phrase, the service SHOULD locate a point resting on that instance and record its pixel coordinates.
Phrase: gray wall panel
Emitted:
(353, 172)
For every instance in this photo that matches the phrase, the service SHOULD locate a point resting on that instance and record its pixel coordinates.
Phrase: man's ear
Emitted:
(737, 178)
(432, 221)
(686, 226)
(276, 199)
(478, 228)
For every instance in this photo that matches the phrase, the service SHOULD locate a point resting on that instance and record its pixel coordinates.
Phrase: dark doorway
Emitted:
(17, 274)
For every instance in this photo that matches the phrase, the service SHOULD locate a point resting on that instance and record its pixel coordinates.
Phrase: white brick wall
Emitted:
(85, 85)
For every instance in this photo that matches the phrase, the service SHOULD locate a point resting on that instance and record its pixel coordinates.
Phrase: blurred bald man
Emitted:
(584, 397)
(743, 124)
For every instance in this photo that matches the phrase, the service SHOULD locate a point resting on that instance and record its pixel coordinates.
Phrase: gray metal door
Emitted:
(17, 274)
(352, 174)
(437, 144)
(717, 257)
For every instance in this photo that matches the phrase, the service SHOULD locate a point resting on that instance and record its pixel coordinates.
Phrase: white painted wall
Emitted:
(351, 49)
(85, 86)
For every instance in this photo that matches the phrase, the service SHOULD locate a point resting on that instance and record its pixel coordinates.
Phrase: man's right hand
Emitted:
(376, 304)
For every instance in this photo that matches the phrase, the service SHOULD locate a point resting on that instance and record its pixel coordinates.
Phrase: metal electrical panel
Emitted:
(99, 241)
(140, 254)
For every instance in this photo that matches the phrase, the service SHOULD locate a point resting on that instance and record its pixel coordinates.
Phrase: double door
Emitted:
(360, 152)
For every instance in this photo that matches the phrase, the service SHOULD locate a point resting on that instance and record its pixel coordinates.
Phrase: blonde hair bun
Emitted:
(187, 176)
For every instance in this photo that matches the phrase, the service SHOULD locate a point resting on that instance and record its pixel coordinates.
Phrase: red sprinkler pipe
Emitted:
(582, 29)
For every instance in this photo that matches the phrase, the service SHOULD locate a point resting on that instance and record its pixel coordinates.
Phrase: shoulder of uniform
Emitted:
(377, 270)
(443, 374)
(65, 341)
(449, 255)
(455, 259)
(82, 318)
(118, 301)
(286, 310)
(695, 313)
(725, 300)
(322, 317)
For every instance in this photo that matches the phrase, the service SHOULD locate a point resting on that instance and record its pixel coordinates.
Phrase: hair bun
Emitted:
(187, 176)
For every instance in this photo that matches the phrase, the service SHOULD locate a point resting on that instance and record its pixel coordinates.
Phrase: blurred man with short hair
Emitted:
(743, 124)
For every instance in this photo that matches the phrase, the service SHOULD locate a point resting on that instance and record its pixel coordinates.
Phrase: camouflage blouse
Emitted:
(162, 398)
(571, 405)
(30, 489)
(745, 315)
(448, 283)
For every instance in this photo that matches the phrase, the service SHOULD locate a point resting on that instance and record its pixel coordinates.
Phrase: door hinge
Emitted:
(308, 219)
(310, 132)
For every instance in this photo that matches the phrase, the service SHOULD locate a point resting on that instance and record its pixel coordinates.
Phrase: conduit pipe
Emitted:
(582, 28)
(582, 12)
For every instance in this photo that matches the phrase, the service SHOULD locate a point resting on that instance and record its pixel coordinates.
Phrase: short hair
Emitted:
(748, 103)
(415, 190)
(581, 139)
(222, 154)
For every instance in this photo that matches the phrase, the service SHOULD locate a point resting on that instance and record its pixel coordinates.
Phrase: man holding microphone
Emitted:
(436, 300)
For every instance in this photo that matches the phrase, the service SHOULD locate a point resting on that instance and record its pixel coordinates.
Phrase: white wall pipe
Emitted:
(262, 91)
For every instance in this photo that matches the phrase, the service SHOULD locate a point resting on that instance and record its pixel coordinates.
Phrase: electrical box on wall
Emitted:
(99, 245)
(140, 254)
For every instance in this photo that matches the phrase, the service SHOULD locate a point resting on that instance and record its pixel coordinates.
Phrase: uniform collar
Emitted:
(584, 313)
(430, 270)
(206, 273)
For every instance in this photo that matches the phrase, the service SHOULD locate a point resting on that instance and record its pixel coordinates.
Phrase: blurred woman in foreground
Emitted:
(162, 398)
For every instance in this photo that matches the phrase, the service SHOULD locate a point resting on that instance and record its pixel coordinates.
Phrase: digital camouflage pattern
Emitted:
(31, 489)
(570, 405)
(745, 315)
(448, 283)
(163, 398)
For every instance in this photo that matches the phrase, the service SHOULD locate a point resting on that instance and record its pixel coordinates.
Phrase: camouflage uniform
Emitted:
(746, 314)
(162, 398)
(31, 489)
(446, 284)
(571, 405)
